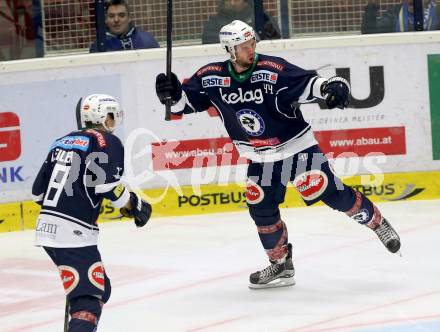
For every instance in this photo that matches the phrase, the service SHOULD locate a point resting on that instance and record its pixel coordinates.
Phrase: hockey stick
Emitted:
(66, 316)
(78, 114)
(169, 45)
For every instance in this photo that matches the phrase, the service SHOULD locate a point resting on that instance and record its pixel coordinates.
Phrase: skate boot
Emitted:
(387, 235)
(275, 275)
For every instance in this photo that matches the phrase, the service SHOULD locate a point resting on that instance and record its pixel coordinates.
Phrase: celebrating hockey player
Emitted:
(81, 169)
(258, 98)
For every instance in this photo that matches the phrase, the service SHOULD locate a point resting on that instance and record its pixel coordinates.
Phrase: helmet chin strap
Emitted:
(109, 129)
(231, 54)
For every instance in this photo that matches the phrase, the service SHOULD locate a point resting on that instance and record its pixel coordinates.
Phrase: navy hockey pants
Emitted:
(310, 172)
(85, 282)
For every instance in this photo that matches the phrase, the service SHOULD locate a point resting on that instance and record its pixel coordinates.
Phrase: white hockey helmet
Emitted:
(96, 107)
(235, 33)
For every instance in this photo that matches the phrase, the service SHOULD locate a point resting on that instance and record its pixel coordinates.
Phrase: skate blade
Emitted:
(280, 282)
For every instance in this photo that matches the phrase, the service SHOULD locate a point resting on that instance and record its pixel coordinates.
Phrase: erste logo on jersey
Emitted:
(214, 80)
(264, 76)
(251, 121)
(255, 96)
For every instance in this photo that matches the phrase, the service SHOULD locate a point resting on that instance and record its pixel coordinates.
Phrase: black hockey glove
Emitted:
(168, 88)
(140, 210)
(336, 92)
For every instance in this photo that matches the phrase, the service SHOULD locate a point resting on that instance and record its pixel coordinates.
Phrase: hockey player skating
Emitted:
(258, 98)
(81, 169)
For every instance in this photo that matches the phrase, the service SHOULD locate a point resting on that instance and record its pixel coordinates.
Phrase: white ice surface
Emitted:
(191, 274)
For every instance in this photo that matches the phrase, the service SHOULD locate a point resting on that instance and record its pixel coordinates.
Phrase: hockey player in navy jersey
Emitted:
(258, 98)
(81, 169)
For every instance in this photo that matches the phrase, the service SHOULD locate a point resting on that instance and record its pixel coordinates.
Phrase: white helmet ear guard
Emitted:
(235, 33)
(95, 108)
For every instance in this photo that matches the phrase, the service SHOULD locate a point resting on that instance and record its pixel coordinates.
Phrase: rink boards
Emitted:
(215, 198)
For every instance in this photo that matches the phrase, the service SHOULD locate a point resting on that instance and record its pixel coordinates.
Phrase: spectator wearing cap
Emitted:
(121, 33)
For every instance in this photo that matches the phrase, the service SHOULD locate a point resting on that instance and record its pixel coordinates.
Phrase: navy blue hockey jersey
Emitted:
(259, 108)
(80, 170)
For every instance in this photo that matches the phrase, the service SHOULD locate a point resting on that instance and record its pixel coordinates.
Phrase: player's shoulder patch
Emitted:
(72, 142)
(100, 138)
(273, 63)
(211, 68)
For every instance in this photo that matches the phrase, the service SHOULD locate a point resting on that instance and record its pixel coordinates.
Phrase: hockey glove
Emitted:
(168, 88)
(140, 210)
(336, 92)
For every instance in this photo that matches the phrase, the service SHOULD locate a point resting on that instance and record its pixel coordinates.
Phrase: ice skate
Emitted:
(275, 275)
(387, 235)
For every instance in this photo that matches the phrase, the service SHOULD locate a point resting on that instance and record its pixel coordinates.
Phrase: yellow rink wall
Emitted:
(230, 197)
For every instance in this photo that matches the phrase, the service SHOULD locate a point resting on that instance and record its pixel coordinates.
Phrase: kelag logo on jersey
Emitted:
(243, 97)
(264, 76)
(251, 121)
(214, 80)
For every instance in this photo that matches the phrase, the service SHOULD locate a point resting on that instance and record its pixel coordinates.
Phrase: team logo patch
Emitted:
(213, 80)
(362, 216)
(69, 277)
(251, 121)
(72, 142)
(264, 76)
(96, 275)
(254, 193)
(311, 184)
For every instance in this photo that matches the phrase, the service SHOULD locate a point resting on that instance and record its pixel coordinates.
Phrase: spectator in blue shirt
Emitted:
(400, 17)
(121, 32)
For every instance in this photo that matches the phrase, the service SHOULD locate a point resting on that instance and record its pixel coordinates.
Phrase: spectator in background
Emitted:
(399, 18)
(121, 32)
(243, 10)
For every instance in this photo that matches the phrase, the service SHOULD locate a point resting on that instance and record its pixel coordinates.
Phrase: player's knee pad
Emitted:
(355, 204)
(341, 200)
(85, 312)
(264, 216)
